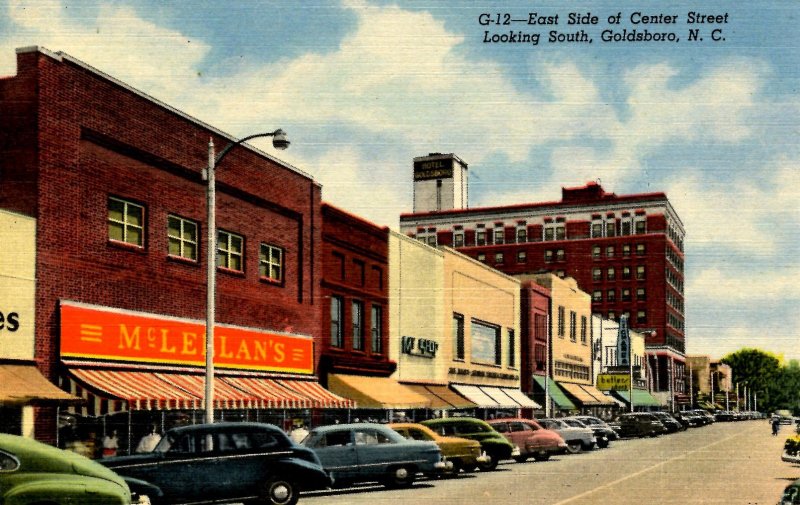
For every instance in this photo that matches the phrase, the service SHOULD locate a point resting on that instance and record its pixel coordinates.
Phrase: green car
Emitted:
(495, 445)
(34, 473)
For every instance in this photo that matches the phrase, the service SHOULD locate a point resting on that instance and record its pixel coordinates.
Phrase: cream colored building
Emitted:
(21, 383)
(454, 327)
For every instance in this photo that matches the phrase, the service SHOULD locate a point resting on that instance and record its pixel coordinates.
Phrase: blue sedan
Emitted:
(366, 452)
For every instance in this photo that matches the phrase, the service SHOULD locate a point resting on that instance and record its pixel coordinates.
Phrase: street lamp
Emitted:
(279, 141)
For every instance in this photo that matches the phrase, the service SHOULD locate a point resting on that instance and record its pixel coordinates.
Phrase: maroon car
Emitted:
(530, 437)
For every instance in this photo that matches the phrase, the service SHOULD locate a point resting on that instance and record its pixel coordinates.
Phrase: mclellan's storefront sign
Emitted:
(89, 331)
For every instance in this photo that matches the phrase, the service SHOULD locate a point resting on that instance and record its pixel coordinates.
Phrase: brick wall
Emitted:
(76, 138)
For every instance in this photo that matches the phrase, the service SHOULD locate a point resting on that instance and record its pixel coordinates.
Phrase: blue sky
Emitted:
(364, 86)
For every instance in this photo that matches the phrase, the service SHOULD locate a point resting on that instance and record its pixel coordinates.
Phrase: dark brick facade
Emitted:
(534, 325)
(71, 137)
(355, 268)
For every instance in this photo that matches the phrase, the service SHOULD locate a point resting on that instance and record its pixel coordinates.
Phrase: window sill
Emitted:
(228, 271)
(272, 282)
(183, 260)
(127, 246)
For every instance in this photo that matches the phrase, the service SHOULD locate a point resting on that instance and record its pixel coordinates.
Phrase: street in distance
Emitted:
(633, 27)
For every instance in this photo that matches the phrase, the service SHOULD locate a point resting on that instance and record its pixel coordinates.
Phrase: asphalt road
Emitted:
(725, 463)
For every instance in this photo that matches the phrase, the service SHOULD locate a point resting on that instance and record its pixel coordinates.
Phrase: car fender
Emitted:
(67, 489)
(309, 476)
(142, 487)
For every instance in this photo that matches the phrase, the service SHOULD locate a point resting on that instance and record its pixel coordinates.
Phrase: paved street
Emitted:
(725, 463)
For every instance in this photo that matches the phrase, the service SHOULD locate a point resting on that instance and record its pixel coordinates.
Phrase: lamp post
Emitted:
(279, 141)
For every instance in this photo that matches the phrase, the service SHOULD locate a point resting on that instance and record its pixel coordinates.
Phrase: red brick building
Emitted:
(355, 286)
(535, 304)
(113, 178)
(624, 250)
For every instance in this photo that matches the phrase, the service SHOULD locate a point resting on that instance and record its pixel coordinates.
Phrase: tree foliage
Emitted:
(775, 385)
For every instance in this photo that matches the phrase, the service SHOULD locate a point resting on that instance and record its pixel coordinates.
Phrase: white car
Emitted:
(577, 439)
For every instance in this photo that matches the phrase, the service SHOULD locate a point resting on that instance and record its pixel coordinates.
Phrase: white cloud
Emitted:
(739, 287)
(161, 61)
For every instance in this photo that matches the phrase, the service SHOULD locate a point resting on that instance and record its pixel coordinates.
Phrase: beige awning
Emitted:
(376, 392)
(598, 395)
(441, 397)
(583, 397)
(23, 384)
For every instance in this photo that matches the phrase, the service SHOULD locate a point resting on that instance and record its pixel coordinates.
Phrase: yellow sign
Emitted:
(613, 382)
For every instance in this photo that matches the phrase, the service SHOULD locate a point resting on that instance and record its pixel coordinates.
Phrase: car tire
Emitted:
(602, 444)
(574, 447)
(520, 459)
(541, 456)
(280, 491)
(489, 465)
(400, 477)
(457, 465)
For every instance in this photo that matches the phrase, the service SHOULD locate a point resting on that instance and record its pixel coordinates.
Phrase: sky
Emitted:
(362, 87)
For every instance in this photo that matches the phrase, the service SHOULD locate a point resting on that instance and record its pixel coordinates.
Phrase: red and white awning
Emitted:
(110, 390)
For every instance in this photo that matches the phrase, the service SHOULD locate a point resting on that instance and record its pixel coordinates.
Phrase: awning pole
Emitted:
(58, 431)
(129, 429)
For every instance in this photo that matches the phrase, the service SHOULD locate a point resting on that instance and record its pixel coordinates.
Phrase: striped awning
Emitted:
(109, 390)
(320, 397)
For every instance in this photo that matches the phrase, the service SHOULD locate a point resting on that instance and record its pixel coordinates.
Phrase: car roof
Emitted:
(224, 426)
(350, 426)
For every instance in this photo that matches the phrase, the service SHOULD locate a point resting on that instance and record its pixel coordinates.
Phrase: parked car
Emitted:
(367, 452)
(704, 415)
(493, 443)
(791, 495)
(461, 452)
(603, 433)
(223, 463)
(670, 423)
(32, 473)
(577, 439)
(724, 416)
(689, 419)
(532, 440)
(638, 424)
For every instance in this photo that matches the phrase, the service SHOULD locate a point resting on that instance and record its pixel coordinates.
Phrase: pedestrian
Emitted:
(110, 445)
(149, 441)
(776, 426)
(299, 433)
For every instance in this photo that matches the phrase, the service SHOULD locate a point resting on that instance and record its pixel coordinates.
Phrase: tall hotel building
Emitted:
(625, 250)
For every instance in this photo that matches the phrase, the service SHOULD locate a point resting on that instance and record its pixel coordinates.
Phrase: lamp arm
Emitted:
(242, 140)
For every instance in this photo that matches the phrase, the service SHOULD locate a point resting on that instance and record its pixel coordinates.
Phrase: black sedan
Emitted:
(223, 463)
(670, 423)
(638, 424)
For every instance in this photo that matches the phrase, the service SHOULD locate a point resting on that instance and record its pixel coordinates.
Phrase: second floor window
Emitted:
(458, 337)
(182, 236)
(573, 325)
(375, 330)
(458, 239)
(358, 325)
(561, 315)
(480, 238)
(125, 222)
(522, 235)
(230, 251)
(337, 315)
(499, 236)
(270, 262)
(498, 258)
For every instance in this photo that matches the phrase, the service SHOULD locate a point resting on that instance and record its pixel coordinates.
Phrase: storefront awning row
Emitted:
(495, 397)
(556, 393)
(586, 395)
(108, 391)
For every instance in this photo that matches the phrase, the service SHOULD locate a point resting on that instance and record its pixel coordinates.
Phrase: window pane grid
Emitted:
(270, 262)
(182, 235)
(229, 251)
(125, 221)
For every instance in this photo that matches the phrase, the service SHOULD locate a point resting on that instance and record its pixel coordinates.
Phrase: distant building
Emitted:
(626, 251)
(710, 377)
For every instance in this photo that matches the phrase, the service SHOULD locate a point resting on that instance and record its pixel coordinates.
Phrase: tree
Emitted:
(763, 374)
